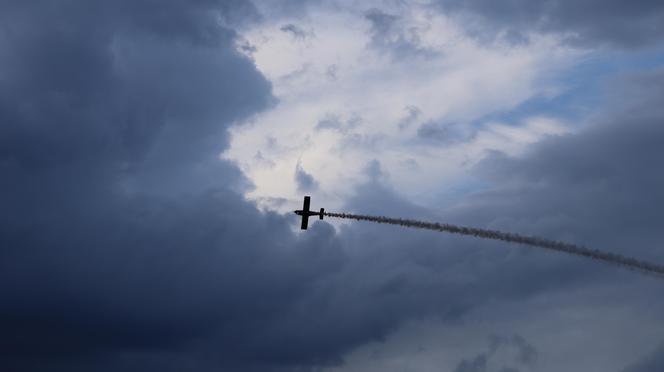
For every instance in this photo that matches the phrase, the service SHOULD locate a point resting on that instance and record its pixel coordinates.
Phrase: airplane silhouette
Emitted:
(305, 213)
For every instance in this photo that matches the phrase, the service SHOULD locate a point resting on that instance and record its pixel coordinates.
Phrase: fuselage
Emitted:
(305, 212)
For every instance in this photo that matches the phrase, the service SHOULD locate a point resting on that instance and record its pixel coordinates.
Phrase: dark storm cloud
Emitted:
(117, 219)
(125, 244)
(652, 362)
(582, 22)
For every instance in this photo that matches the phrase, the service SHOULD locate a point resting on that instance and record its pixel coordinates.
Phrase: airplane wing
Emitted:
(307, 201)
(305, 222)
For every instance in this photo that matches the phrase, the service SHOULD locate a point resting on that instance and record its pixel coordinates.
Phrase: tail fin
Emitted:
(322, 211)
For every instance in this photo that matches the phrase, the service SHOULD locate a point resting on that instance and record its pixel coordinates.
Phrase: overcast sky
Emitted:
(152, 152)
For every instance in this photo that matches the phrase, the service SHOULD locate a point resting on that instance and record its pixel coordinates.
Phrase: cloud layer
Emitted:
(584, 23)
(126, 243)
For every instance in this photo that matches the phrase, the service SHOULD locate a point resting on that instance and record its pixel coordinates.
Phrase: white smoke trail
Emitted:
(612, 258)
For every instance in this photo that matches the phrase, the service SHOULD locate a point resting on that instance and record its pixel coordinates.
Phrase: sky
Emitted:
(152, 153)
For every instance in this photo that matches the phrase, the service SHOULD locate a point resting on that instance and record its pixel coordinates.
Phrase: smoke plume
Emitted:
(626, 262)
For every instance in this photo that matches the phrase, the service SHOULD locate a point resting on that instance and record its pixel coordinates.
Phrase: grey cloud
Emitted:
(595, 187)
(305, 182)
(361, 141)
(296, 31)
(477, 364)
(332, 72)
(601, 172)
(585, 23)
(286, 9)
(540, 194)
(274, 202)
(374, 171)
(125, 243)
(410, 164)
(526, 354)
(412, 114)
(330, 121)
(436, 133)
(381, 22)
(261, 160)
(333, 121)
(297, 73)
(388, 34)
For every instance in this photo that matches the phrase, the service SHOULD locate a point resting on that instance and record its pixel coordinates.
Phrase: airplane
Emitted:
(305, 213)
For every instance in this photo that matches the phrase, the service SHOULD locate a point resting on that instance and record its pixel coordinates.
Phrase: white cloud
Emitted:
(337, 70)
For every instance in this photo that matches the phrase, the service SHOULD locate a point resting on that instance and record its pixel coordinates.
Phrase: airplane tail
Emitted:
(322, 211)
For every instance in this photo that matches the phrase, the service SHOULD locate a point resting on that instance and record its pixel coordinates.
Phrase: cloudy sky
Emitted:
(151, 153)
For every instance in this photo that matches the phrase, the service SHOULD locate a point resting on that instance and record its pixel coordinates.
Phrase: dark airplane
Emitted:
(305, 213)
